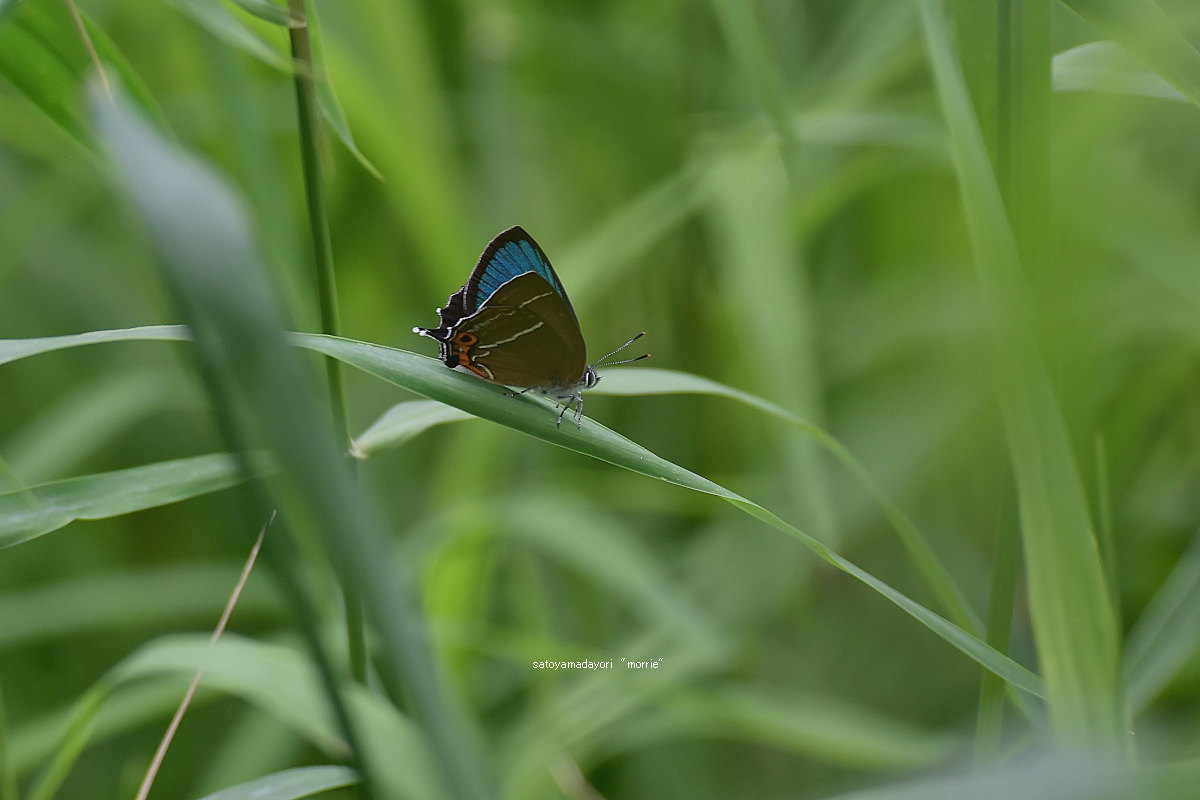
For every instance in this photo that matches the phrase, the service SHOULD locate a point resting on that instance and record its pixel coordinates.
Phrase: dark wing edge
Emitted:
(515, 235)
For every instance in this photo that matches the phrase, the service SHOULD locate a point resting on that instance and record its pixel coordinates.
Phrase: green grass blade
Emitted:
(818, 727)
(1072, 616)
(1167, 634)
(283, 682)
(217, 20)
(115, 601)
(16, 349)
(28, 513)
(42, 54)
(1107, 67)
(533, 417)
(263, 395)
(402, 422)
(529, 415)
(89, 420)
(289, 784)
(1141, 27)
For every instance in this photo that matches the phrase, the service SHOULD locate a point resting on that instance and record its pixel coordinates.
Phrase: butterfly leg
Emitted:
(566, 401)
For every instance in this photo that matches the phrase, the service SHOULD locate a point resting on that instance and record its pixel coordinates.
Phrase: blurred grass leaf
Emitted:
(268, 12)
(264, 396)
(290, 784)
(821, 728)
(402, 422)
(1106, 67)
(88, 420)
(42, 55)
(29, 513)
(283, 682)
(331, 106)
(116, 600)
(1168, 632)
(1072, 617)
(217, 20)
(1141, 27)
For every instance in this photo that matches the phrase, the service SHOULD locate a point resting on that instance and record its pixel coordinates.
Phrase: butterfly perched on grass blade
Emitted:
(512, 323)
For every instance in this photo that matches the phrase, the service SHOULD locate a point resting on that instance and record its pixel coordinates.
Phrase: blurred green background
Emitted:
(768, 189)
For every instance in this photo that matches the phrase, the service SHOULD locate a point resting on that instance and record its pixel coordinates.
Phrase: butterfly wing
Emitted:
(524, 335)
(511, 254)
(512, 321)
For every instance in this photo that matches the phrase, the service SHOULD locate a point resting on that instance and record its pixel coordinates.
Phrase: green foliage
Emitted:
(919, 282)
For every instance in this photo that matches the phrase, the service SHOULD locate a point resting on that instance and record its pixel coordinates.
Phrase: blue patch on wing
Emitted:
(510, 260)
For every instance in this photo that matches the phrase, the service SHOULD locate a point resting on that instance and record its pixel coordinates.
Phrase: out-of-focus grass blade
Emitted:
(217, 20)
(601, 257)
(116, 601)
(1141, 27)
(268, 12)
(42, 54)
(1063, 776)
(29, 513)
(274, 678)
(289, 784)
(429, 377)
(818, 727)
(1167, 634)
(1106, 67)
(402, 422)
(1072, 617)
(87, 420)
(331, 106)
(611, 556)
(129, 708)
(283, 682)
(264, 396)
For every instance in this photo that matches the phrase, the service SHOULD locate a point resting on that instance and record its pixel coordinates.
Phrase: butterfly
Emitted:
(511, 323)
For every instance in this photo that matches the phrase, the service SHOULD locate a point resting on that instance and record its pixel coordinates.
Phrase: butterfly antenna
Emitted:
(600, 362)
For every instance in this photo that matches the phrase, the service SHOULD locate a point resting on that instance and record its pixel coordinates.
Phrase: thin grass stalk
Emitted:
(169, 735)
(318, 222)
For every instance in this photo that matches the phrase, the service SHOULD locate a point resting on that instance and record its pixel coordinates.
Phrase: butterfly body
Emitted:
(511, 323)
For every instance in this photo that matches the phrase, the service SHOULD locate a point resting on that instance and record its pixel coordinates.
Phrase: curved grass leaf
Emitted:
(29, 513)
(1168, 633)
(290, 784)
(284, 683)
(1141, 27)
(268, 12)
(405, 420)
(402, 422)
(16, 349)
(217, 20)
(535, 417)
(1106, 67)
